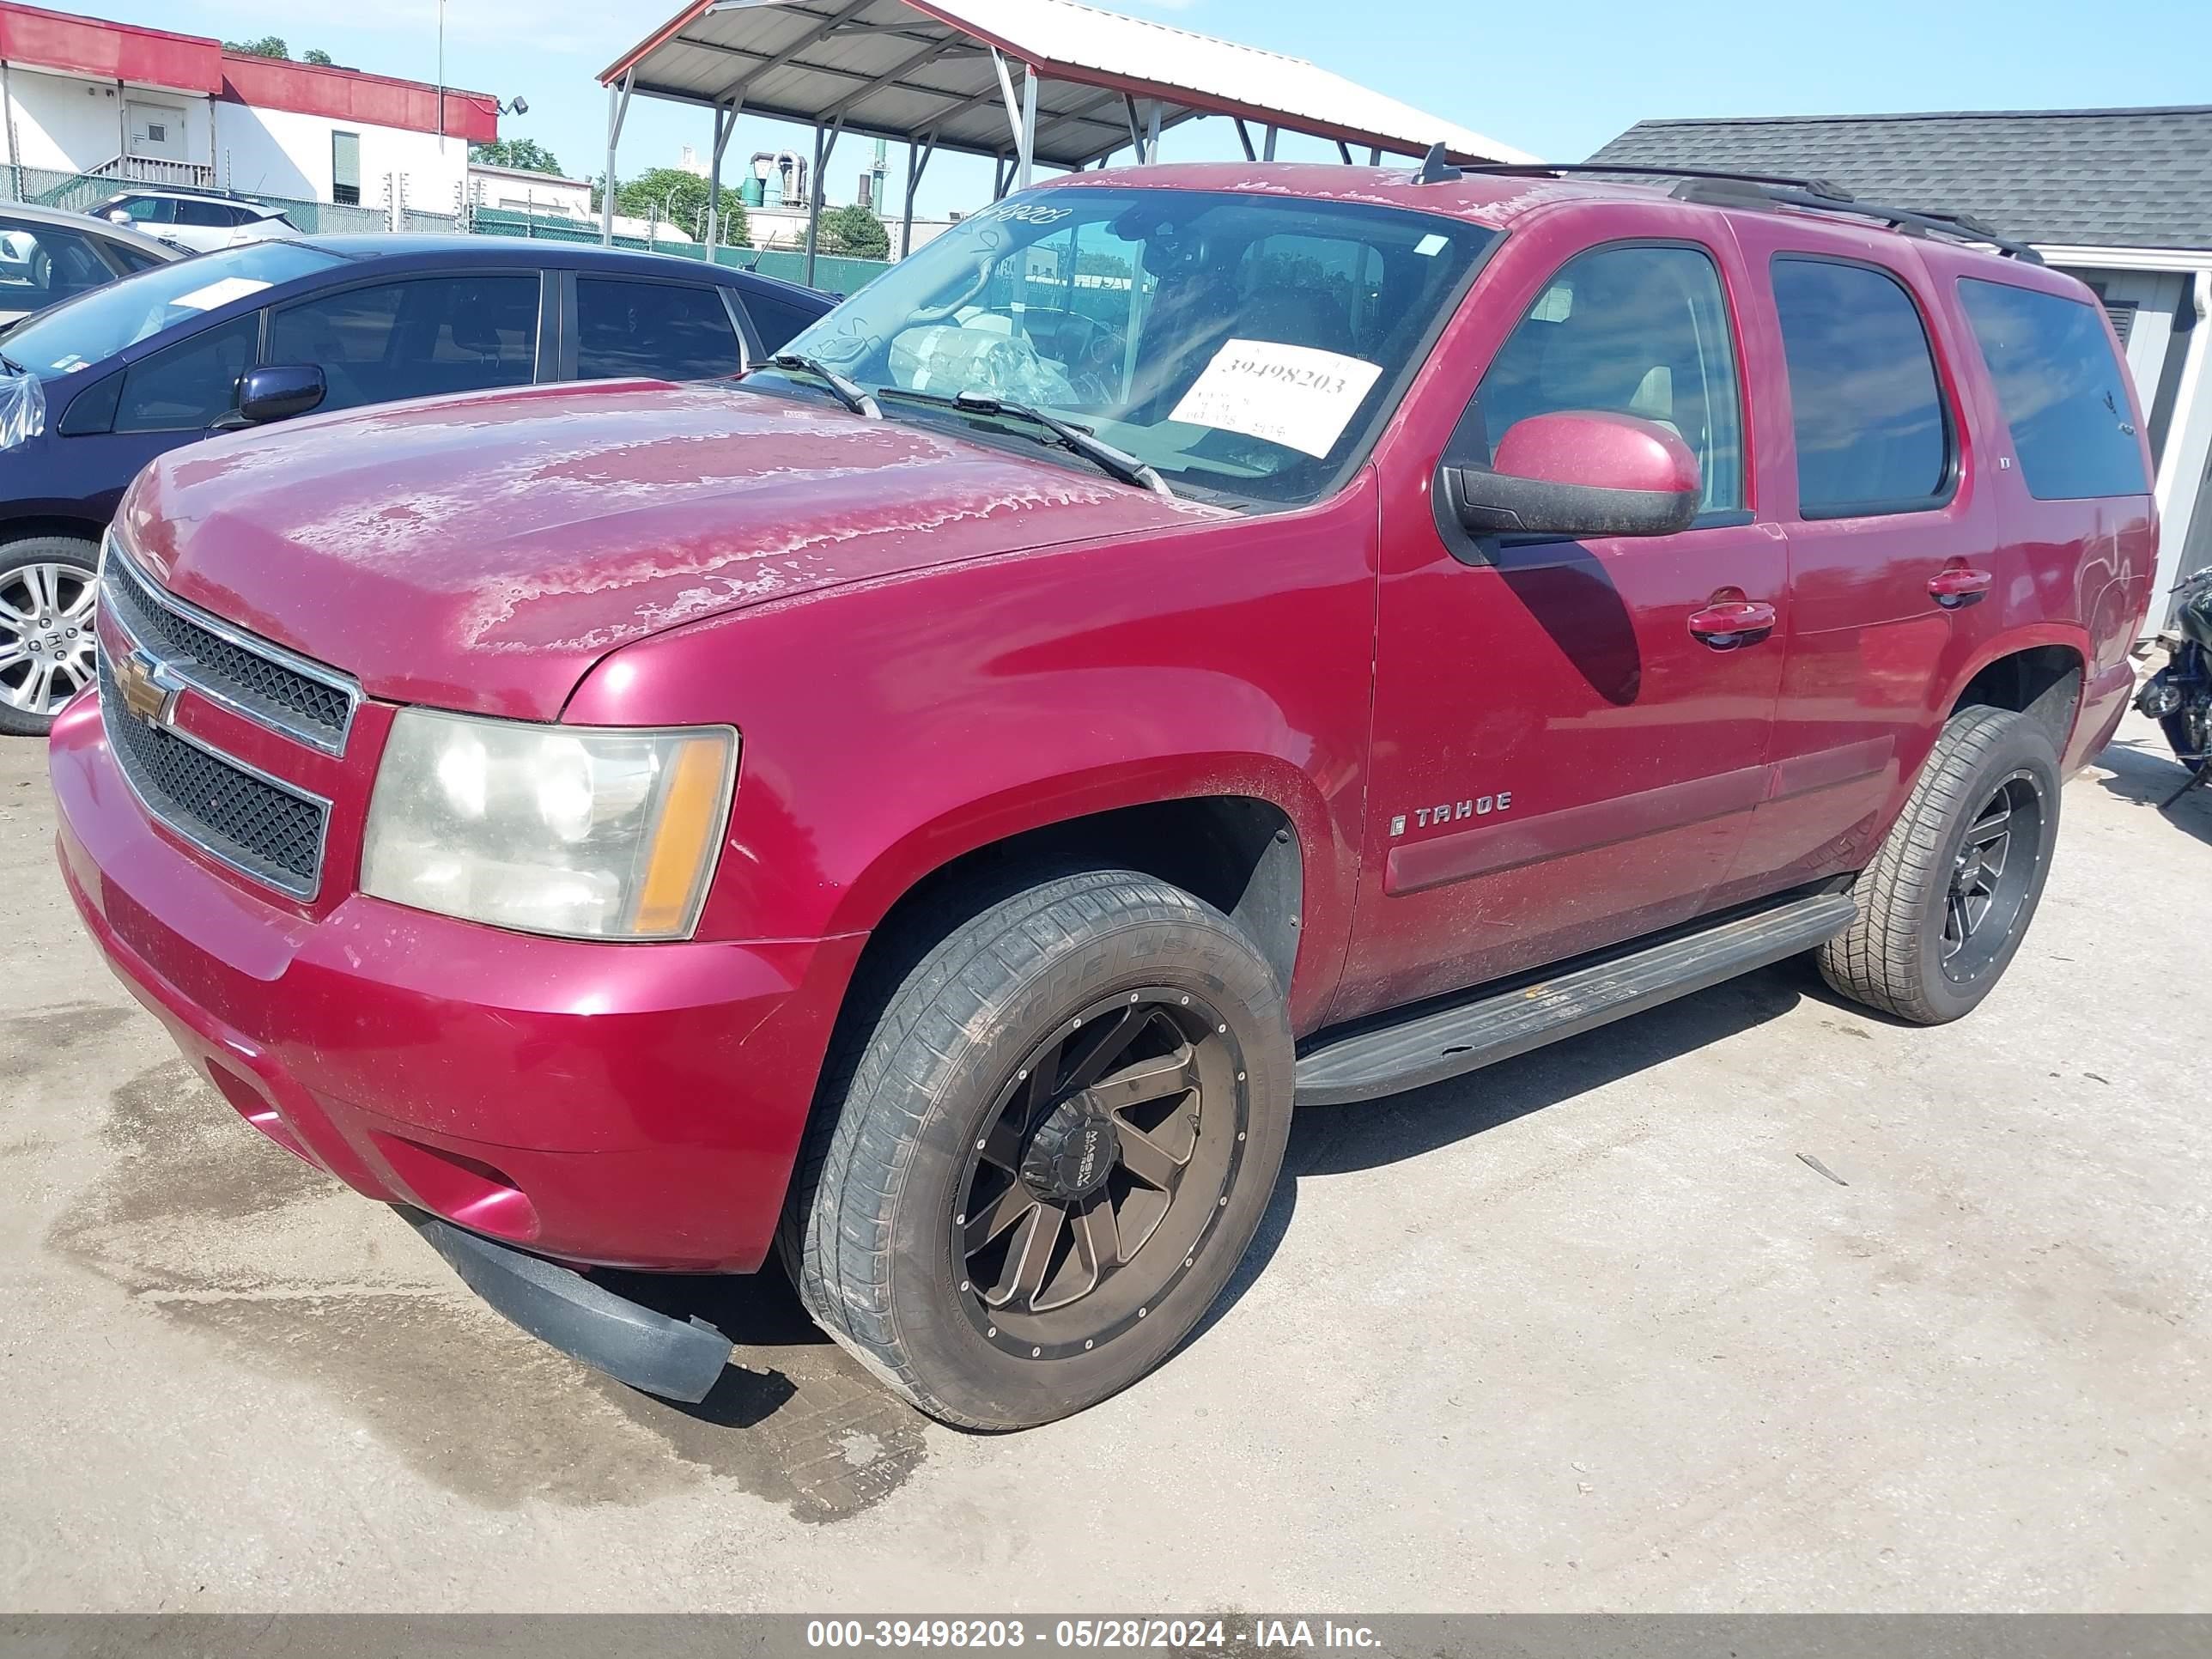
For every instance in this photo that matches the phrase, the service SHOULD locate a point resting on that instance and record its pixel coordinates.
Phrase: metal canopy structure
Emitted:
(1027, 82)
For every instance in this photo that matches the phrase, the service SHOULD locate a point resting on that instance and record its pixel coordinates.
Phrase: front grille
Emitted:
(269, 832)
(305, 700)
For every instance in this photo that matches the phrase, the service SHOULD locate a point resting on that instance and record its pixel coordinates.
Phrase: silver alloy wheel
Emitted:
(46, 635)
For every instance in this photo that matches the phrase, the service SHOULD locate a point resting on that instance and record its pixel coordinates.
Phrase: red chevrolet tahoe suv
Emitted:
(1187, 643)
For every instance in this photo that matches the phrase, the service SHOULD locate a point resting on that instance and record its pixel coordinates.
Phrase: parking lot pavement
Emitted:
(1583, 1331)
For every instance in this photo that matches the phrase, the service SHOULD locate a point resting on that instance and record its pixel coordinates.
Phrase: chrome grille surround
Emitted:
(269, 830)
(292, 696)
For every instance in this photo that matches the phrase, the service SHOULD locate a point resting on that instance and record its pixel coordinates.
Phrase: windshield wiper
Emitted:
(851, 394)
(1116, 463)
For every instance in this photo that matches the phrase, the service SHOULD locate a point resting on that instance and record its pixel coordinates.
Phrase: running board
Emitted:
(1431, 1047)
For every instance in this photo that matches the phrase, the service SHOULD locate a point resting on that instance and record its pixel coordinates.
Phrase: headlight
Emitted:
(587, 832)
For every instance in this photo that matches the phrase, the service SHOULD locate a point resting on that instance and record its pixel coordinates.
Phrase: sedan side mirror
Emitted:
(1579, 473)
(279, 392)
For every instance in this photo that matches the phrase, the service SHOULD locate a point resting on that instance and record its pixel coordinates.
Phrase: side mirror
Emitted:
(1579, 473)
(278, 393)
(119, 217)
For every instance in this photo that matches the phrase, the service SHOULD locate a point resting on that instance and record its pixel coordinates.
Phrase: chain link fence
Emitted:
(833, 273)
(77, 192)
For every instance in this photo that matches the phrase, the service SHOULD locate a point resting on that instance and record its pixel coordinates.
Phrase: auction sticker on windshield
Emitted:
(1291, 395)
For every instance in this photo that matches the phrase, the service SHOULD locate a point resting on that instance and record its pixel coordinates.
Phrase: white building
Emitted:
(82, 95)
(518, 190)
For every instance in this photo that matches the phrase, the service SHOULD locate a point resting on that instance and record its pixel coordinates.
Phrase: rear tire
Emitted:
(967, 1093)
(1945, 904)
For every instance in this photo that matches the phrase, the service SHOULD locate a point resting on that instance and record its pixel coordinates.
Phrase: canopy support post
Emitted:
(913, 184)
(726, 123)
(1344, 151)
(1375, 155)
(1244, 138)
(617, 108)
(1021, 116)
(1029, 125)
(1152, 132)
(814, 198)
(1272, 133)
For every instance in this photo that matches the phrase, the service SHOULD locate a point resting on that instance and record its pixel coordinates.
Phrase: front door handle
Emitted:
(1733, 624)
(1958, 587)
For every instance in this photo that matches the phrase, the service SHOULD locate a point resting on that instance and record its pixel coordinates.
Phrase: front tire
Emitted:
(47, 586)
(1034, 1172)
(1944, 906)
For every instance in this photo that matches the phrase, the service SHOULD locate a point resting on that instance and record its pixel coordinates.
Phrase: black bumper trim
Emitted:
(563, 1309)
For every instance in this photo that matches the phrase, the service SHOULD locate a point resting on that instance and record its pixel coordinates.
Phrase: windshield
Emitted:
(1244, 346)
(98, 325)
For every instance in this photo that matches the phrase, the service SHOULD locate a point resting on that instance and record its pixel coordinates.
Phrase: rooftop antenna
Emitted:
(1437, 168)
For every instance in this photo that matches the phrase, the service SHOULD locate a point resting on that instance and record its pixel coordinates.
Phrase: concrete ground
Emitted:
(1624, 1351)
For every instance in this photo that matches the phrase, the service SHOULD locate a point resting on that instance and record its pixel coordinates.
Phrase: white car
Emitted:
(196, 220)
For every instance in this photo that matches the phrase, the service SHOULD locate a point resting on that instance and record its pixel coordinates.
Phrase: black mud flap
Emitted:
(563, 1309)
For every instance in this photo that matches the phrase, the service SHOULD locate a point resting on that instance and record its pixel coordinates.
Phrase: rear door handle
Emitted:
(1733, 624)
(1954, 588)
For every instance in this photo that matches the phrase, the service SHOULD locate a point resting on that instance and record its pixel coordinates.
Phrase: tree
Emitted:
(527, 154)
(269, 45)
(317, 55)
(856, 231)
(670, 195)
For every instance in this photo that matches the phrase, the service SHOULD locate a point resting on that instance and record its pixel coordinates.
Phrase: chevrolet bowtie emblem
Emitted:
(148, 692)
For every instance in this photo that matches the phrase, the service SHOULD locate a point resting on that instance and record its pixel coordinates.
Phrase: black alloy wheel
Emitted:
(1110, 1152)
(1991, 876)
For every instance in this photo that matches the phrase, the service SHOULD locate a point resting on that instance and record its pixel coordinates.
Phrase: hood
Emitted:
(481, 553)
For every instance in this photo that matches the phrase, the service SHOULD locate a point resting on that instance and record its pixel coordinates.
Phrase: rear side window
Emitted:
(1872, 435)
(777, 321)
(2059, 385)
(663, 330)
(189, 384)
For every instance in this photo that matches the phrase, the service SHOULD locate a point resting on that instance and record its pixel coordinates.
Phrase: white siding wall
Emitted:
(277, 153)
(540, 194)
(72, 126)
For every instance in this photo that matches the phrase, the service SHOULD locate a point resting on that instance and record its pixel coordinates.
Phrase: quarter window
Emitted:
(1635, 330)
(188, 385)
(2059, 385)
(776, 320)
(1872, 435)
(662, 330)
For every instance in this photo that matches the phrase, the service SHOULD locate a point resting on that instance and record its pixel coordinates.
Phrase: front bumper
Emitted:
(635, 1106)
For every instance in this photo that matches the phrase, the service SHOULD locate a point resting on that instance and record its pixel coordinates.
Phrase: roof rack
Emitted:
(1765, 190)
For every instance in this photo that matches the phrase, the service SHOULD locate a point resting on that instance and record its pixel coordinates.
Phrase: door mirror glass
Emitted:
(279, 392)
(1578, 473)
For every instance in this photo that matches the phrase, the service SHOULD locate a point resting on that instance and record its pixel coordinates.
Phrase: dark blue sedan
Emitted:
(97, 386)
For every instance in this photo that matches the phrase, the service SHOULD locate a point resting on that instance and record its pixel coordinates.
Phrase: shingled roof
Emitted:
(2101, 178)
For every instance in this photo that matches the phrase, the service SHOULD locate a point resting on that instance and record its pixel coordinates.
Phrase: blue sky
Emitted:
(1556, 79)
